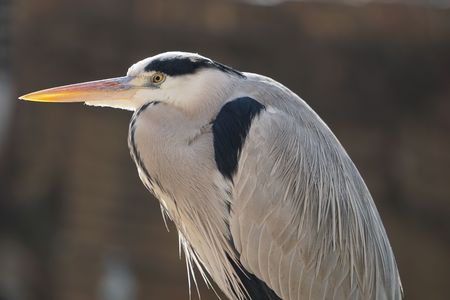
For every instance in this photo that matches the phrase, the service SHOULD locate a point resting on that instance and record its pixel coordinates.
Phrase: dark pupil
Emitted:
(157, 78)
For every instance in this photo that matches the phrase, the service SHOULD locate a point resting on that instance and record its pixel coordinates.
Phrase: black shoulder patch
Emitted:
(187, 65)
(230, 128)
(255, 287)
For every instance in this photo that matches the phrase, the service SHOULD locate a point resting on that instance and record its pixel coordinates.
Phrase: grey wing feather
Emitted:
(302, 219)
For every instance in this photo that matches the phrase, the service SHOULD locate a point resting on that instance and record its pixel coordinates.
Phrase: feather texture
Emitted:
(287, 216)
(300, 203)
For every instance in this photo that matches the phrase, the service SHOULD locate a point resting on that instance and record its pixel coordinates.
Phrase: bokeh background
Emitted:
(75, 221)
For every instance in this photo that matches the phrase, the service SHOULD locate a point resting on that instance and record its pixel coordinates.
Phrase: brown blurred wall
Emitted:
(74, 216)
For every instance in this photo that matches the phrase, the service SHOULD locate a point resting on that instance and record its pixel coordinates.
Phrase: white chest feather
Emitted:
(175, 159)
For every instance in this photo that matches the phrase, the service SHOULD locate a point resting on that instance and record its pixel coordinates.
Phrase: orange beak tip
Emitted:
(28, 98)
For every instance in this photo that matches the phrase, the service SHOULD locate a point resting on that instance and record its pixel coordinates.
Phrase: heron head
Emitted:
(186, 80)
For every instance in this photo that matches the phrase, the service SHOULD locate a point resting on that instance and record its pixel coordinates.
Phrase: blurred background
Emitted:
(75, 221)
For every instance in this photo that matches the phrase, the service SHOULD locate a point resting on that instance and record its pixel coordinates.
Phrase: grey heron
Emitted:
(266, 201)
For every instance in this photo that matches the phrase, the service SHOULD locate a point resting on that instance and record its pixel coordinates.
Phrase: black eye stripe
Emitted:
(184, 65)
(176, 66)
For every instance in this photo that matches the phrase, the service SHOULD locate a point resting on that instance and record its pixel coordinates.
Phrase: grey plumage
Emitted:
(297, 202)
(287, 217)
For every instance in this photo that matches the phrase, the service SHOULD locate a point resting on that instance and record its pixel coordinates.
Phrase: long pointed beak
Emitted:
(107, 89)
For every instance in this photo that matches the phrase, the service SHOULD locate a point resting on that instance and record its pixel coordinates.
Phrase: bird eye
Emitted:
(158, 78)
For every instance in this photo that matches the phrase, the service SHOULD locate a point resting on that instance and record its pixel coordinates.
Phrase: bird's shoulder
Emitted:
(295, 199)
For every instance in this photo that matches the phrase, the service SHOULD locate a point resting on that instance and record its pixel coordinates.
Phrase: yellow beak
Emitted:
(108, 89)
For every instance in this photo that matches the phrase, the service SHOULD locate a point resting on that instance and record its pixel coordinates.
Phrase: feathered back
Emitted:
(297, 190)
